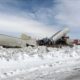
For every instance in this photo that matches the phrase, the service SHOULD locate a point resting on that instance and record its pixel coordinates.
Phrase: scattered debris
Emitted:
(59, 39)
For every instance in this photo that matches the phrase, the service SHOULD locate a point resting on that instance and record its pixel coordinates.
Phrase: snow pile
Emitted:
(16, 61)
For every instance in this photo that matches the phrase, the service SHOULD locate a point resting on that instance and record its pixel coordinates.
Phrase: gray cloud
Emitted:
(61, 13)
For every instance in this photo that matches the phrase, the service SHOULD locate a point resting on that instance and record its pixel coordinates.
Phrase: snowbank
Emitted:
(16, 61)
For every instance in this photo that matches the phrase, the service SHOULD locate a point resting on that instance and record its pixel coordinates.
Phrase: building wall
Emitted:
(11, 41)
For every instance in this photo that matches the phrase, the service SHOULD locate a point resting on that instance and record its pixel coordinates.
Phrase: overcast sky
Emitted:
(39, 16)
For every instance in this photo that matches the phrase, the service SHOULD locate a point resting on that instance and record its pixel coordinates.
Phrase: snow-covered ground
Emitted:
(38, 63)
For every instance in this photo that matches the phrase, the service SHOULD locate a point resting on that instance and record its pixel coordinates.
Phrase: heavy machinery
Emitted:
(59, 39)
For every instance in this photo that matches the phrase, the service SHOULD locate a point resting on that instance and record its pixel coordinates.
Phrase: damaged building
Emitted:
(59, 39)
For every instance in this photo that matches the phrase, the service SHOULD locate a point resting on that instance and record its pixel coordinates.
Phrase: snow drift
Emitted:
(18, 61)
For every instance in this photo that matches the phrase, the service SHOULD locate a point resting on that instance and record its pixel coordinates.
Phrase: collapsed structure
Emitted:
(15, 42)
(59, 39)
(9, 41)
